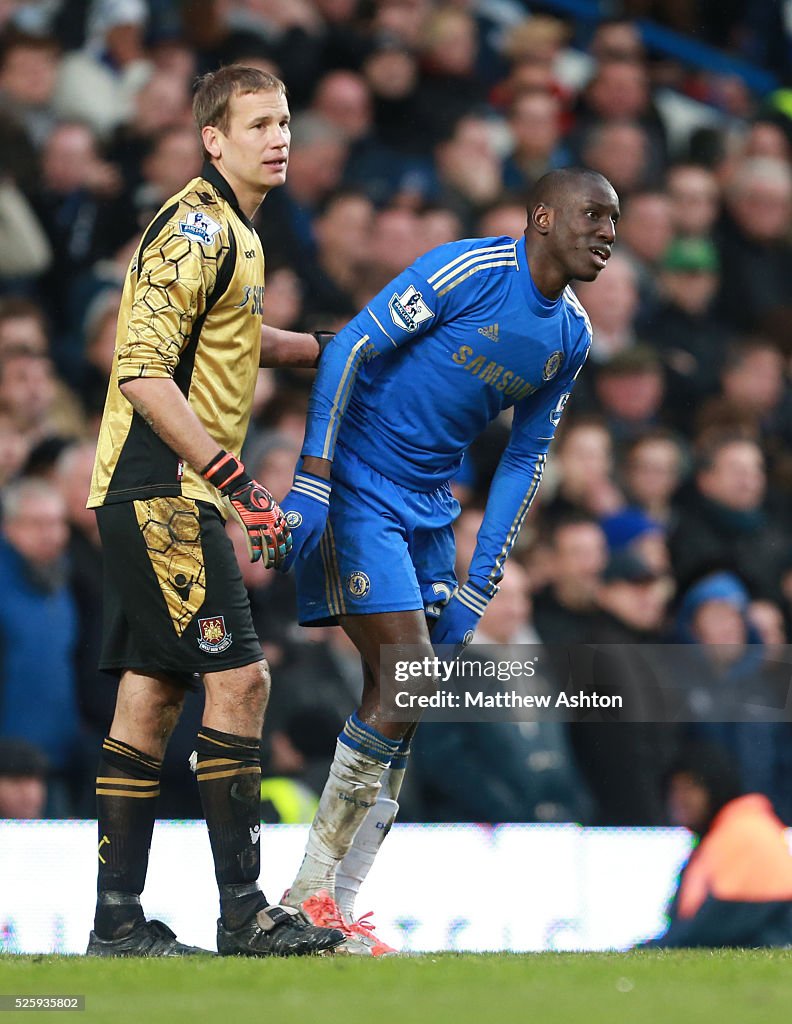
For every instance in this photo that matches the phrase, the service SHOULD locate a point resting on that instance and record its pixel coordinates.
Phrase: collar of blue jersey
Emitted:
(537, 303)
(211, 174)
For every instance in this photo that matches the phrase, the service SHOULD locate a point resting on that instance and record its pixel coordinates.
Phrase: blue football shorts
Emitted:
(386, 548)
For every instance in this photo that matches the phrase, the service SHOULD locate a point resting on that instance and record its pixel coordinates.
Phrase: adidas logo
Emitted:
(490, 332)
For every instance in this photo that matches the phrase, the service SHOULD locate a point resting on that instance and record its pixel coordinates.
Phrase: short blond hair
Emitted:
(214, 91)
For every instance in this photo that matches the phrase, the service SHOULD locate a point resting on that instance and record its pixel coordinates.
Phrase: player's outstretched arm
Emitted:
(162, 405)
(292, 348)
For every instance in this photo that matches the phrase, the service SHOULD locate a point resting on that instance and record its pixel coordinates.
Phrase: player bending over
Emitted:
(470, 329)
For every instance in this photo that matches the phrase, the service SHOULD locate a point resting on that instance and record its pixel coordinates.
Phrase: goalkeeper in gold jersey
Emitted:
(167, 473)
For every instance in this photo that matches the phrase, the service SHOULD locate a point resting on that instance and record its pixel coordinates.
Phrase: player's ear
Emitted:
(209, 135)
(542, 218)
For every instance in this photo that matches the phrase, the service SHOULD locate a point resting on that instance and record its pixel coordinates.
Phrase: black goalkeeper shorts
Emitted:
(174, 600)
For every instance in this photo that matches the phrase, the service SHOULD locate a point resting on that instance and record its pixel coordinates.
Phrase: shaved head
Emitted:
(556, 187)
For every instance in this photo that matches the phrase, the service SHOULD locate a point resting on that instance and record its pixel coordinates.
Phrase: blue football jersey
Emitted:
(458, 337)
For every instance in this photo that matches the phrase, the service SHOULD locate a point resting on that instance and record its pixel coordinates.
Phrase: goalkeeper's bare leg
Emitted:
(227, 764)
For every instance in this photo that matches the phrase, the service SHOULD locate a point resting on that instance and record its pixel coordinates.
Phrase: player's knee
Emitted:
(251, 685)
(236, 700)
(165, 711)
(169, 716)
(148, 706)
(261, 681)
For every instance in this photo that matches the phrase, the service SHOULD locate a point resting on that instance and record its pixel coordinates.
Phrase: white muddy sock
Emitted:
(352, 787)
(354, 868)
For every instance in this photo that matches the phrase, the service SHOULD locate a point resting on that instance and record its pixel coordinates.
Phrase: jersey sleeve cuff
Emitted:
(473, 599)
(131, 369)
(312, 487)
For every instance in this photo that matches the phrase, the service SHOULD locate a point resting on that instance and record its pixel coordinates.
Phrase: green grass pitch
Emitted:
(547, 988)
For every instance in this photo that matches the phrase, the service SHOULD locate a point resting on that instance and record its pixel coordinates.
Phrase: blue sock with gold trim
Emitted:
(127, 787)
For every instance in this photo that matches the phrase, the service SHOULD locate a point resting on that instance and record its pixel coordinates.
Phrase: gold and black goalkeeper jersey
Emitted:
(190, 310)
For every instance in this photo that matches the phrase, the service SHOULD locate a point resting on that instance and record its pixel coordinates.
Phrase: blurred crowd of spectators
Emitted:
(664, 512)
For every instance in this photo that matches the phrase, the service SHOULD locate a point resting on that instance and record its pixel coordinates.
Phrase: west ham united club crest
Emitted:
(358, 584)
(213, 638)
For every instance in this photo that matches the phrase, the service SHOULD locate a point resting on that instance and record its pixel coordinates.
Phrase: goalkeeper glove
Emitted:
(305, 508)
(252, 505)
(458, 620)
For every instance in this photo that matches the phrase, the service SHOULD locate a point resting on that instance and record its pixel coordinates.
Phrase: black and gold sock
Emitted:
(228, 769)
(127, 785)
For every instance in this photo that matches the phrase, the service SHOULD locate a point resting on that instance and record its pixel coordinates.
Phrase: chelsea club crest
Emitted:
(358, 584)
(552, 366)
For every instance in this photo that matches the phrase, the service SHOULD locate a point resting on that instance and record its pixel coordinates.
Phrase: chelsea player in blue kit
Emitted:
(470, 329)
